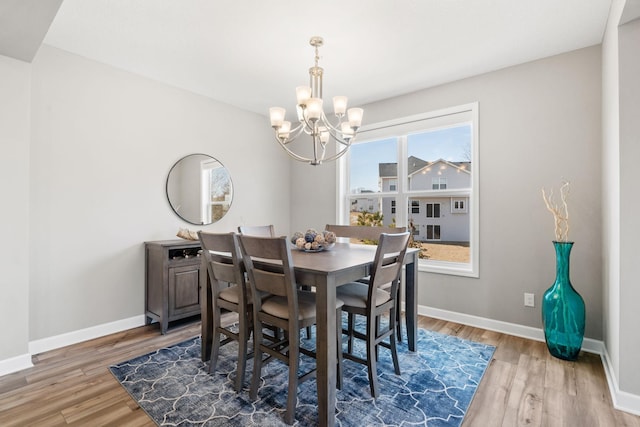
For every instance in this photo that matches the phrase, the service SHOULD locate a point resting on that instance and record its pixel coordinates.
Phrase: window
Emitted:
(433, 210)
(428, 160)
(439, 183)
(433, 232)
(458, 206)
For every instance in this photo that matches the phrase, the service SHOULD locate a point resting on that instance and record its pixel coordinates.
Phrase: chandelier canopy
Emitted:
(312, 120)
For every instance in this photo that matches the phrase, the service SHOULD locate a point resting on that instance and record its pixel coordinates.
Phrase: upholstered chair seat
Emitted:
(356, 294)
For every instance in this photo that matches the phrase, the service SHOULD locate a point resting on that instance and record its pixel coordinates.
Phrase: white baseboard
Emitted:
(15, 364)
(622, 400)
(62, 340)
(536, 334)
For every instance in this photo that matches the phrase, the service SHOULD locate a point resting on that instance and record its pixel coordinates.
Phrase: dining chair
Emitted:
(373, 300)
(224, 265)
(271, 271)
(257, 230)
(365, 233)
(362, 232)
(268, 231)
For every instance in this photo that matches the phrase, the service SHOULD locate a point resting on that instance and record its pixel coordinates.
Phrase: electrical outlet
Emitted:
(529, 300)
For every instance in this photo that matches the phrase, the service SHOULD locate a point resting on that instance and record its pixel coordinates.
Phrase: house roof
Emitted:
(391, 169)
(416, 164)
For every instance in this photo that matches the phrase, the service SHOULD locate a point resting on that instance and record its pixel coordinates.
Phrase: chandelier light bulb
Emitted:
(276, 114)
(314, 109)
(347, 132)
(303, 93)
(284, 130)
(355, 117)
(324, 135)
(339, 105)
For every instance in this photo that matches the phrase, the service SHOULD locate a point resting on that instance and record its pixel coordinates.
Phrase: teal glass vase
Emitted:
(563, 311)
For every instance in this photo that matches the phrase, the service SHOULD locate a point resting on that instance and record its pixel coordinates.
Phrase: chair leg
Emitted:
(376, 334)
(350, 326)
(372, 356)
(307, 288)
(243, 339)
(257, 359)
(398, 316)
(392, 342)
(292, 393)
(339, 348)
(215, 339)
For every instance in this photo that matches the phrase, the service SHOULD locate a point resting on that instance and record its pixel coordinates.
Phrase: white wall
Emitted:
(539, 123)
(103, 143)
(621, 230)
(629, 101)
(611, 189)
(14, 213)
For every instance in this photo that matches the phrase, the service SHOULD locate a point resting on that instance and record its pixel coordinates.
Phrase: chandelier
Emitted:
(312, 120)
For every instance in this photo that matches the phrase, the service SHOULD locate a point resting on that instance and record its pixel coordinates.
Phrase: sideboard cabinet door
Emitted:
(184, 291)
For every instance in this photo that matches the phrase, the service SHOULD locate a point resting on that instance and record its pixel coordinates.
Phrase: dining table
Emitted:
(325, 271)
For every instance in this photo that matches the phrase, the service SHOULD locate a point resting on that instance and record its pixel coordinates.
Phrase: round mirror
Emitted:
(199, 189)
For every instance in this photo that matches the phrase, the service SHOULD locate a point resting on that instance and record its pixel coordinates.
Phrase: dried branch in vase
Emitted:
(560, 211)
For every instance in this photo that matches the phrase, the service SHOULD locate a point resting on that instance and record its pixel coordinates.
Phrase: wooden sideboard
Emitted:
(172, 281)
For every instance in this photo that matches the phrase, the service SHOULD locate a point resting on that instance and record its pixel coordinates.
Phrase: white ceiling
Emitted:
(252, 54)
(23, 25)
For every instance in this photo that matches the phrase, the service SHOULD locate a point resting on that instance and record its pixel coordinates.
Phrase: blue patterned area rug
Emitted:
(435, 389)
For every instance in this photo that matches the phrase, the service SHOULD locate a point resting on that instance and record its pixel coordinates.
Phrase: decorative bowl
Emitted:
(313, 241)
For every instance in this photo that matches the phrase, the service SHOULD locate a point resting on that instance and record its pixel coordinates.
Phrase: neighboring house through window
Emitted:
(428, 160)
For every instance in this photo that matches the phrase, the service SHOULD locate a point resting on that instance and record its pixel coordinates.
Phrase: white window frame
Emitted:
(433, 231)
(433, 209)
(462, 209)
(439, 182)
(402, 127)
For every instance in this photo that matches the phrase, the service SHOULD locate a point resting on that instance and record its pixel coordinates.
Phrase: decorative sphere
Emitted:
(330, 236)
(300, 242)
(296, 236)
(309, 236)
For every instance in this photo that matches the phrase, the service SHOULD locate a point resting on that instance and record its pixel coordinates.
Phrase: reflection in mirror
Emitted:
(199, 189)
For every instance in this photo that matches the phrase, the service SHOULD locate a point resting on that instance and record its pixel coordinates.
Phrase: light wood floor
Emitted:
(523, 386)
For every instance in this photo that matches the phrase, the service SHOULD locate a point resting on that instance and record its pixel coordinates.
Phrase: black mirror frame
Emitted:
(173, 208)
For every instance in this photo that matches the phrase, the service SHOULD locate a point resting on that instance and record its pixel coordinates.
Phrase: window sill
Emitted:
(450, 268)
